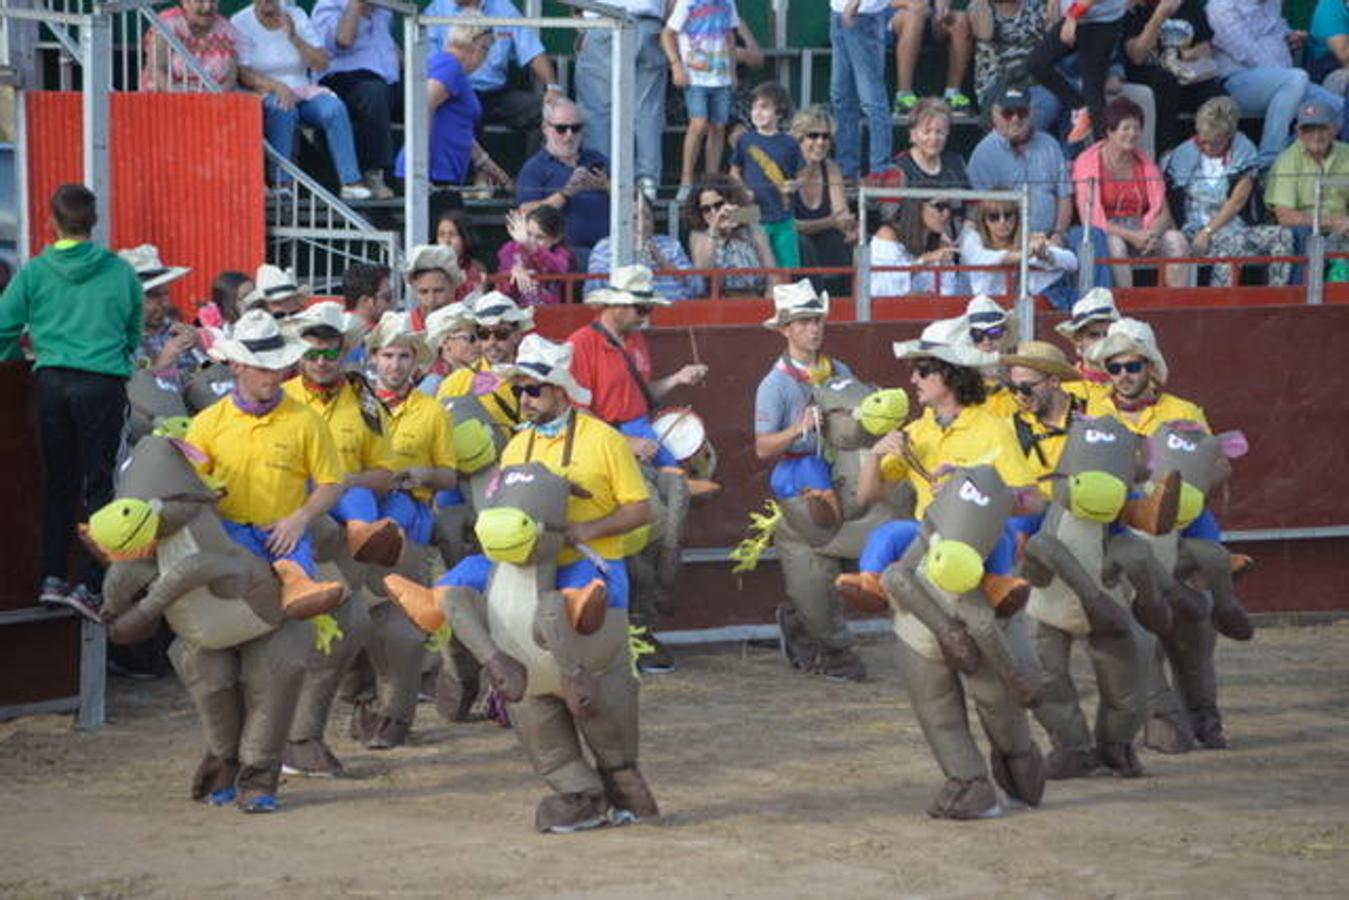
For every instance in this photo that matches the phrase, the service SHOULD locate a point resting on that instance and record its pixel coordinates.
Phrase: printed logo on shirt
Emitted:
(1092, 436)
(971, 494)
(1178, 443)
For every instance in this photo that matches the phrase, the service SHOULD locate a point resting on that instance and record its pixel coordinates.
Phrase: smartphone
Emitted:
(747, 215)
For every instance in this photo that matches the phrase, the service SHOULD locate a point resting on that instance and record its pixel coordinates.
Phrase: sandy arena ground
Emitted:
(772, 783)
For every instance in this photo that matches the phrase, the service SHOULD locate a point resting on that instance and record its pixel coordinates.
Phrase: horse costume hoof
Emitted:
(1188, 604)
(959, 649)
(841, 665)
(1106, 617)
(1007, 594)
(824, 508)
(1155, 617)
(1122, 759)
(378, 543)
(964, 800)
(1021, 775)
(566, 813)
(1167, 734)
(1062, 764)
(256, 789)
(455, 697)
(214, 776)
(507, 676)
(389, 733)
(628, 795)
(301, 596)
(1240, 564)
(312, 758)
(586, 606)
(1231, 621)
(1208, 729)
(364, 721)
(863, 592)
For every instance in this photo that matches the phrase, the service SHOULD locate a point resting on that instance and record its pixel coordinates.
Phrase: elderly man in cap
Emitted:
(787, 422)
(169, 345)
(1290, 189)
(1090, 320)
(432, 273)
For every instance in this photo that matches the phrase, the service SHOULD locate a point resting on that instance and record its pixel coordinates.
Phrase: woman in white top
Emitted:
(993, 238)
(918, 234)
(278, 48)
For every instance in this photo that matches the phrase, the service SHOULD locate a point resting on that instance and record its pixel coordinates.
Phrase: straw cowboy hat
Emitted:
(949, 341)
(1042, 357)
(541, 360)
(258, 341)
(274, 284)
(797, 301)
(445, 321)
(328, 319)
(1096, 305)
(495, 308)
(1130, 336)
(424, 257)
(395, 330)
(628, 286)
(149, 269)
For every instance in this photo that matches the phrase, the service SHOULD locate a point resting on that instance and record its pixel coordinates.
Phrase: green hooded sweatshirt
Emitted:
(81, 304)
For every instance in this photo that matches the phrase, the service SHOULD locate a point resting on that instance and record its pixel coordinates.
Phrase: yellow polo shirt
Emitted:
(502, 404)
(975, 436)
(1043, 443)
(358, 448)
(1088, 391)
(1000, 401)
(1167, 408)
(601, 463)
(266, 462)
(419, 435)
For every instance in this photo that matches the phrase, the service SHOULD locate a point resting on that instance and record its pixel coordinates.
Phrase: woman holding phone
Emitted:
(724, 234)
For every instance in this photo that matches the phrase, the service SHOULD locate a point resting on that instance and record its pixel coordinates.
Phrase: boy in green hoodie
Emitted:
(81, 307)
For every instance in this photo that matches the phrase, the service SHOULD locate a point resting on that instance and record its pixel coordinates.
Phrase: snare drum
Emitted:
(681, 431)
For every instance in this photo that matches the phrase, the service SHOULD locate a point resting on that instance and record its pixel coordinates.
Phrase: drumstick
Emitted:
(693, 347)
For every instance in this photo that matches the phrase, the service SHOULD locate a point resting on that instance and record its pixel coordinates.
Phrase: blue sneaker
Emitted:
(223, 797)
(264, 803)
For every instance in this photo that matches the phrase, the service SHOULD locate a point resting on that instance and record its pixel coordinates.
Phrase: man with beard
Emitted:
(500, 325)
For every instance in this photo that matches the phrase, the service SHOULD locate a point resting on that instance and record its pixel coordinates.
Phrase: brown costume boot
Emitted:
(379, 543)
(863, 592)
(1021, 775)
(1005, 593)
(1121, 758)
(389, 733)
(1240, 564)
(1168, 734)
(312, 758)
(958, 648)
(1155, 513)
(302, 597)
(628, 795)
(421, 603)
(565, 813)
(586, 606)
(1063, 764)
(965, 800)
(825, 510)
(507, 676)
(213, 782)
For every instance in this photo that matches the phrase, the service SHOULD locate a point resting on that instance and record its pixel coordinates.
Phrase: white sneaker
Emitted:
(355, 192)
(648, 188)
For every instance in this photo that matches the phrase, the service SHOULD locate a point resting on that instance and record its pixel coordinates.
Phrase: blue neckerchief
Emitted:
(554, 427)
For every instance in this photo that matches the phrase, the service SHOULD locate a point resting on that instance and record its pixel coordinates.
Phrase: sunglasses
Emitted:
(1133, 367)
(500, 334)
(1016, 112)
(712, 208)
(999, 215)
(567, 127)
(941, 206)
(924, 369)
(332, 354)
(642, 309)
(819, 136)
(1025, 388)
(979, 335)
(532, 390)
(469, 336)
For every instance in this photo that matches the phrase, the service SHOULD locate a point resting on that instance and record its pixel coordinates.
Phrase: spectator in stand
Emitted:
(169, 346)
(452, 231)
(368, 294)
(699, 42)
(568, 177)
(534, 252)
(1328, 45)
(1254, 47)
(594, 78)
(1290, 189)
(81, 308)
(206, 34)
(365, 71)
(824, 223)
(276, 291)
(1005, 32)
(432, 271)
(768, 162)
(927, 163)
(503, 103)
(915, 19)
(857, 82)
(278, 48)
(993, 238)
(1017, 154)
(658, 252)
(1089, 28)
(1120, 191)
(227, 296)
(917, 233)
(1213, 175)
(721, 236)
(1167, 46)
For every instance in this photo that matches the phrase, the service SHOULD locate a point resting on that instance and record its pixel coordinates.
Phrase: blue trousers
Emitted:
(357, 504)
(1204, 528)
(452, 497)
(412, 515)
(640, 427)
(792, 476)
(474, 571)
(888, 542)
(254, 540)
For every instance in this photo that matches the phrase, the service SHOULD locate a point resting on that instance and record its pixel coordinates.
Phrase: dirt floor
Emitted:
(772, 784)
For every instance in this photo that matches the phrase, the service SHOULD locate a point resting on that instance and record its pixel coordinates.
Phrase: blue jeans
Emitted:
(648, 116)
(412, 515)
(357, 504)
(1045, 110)
(887, 543)
(254, 540)
(640, 427)
(710, 103)
(1101, 276)
(1205, 528)
(324, 111)
(856, 87)
(792, 476)
(474, 572)
(1276, 93)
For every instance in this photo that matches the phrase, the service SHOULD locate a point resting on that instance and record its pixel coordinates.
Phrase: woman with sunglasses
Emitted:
(825, 224)
(993, 238)
(919, 233)
(721, 236)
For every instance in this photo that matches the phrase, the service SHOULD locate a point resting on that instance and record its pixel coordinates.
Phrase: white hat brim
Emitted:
(168, 276)
(968, 357)
(1116, 344)
(607, 296)
(556, 376)
(283, 357)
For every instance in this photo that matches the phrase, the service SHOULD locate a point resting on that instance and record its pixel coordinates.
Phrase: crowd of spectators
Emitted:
(1121, 118)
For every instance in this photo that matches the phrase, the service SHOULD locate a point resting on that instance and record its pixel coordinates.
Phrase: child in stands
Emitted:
(534, 251)
(767, 161)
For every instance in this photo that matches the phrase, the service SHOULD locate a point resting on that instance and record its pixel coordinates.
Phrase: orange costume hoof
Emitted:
(698, 487)
(586, 606)
(1005, 593)
(301, 596)
(1240, 564)
(1155, 513)
(379, 543)
(421, 603)
(863, 592)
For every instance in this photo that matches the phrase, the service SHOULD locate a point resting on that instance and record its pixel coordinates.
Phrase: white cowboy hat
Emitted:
(446, 321)
(984, 312)
(1129, 336)
(797, 301)
(327, 315)
(628, 286)
(395, 330)
(274, 284)
(433, 256)
(257, 340)
(149, 269)
(1096, 305)
(949, 341)
(495, 308)
(542, 360)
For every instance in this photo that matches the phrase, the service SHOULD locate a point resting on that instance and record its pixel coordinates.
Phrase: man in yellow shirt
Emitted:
(992, 330)
(500, 326)
(1129, 355)
(1036, 373)
(1085, 326)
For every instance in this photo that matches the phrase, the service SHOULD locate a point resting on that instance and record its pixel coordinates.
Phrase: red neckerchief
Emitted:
(1095, 376)
(1132, 406)
(325, 392)
(391, 399)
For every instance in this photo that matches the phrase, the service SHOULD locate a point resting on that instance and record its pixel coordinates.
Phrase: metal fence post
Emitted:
(416, 134)
(1025, 303)
(862, 280)
(623, 69)
(1086, 251)
(1316, 250)
(96, 61)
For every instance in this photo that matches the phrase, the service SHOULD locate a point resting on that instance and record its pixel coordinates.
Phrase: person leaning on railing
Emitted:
(992, 237)
(658, 252)
(1290, 189)
(918, 233)
(1120, 190)
(206, 34)
(720, 239)
(825, 225)
(1213, 176)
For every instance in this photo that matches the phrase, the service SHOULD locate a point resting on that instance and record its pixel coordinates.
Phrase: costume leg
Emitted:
(810, 578)
(548, 736)
(271, 672)
(396, 650)
(1122, 687)
(212, 678)
(1166, 728)
(323, 671)
(1013, 756)
(1059, 712)
(1191, 650)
